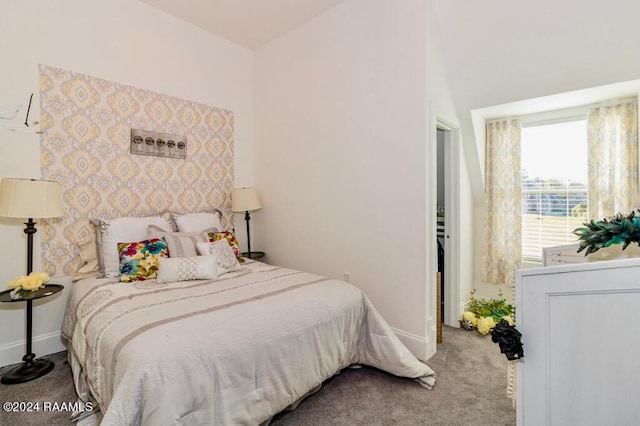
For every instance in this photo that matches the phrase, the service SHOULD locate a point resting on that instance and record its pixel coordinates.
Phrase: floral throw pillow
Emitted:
(139, 260)
(231, 239)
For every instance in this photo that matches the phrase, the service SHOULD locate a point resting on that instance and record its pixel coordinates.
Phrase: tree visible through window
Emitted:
(554, 185)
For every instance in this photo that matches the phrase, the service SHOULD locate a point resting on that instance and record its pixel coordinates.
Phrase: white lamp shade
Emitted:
(30, 198)
(244, 200)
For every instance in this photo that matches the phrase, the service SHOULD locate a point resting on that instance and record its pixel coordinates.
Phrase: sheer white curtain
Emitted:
(612, 132)
(503, 202)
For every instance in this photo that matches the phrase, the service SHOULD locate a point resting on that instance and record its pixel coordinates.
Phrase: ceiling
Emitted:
(249, 23)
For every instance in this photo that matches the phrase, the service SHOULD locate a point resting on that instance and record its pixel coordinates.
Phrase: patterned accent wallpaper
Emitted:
(86, 124)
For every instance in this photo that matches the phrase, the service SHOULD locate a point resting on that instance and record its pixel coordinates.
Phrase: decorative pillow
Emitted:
(227, 261)
(89, 258)
(172, 269)
(196, 222)
(180, 244)
(139, 260)
(109, 232)
(231, 239)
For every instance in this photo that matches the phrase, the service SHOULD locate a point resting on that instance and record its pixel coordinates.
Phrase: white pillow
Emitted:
(180, 244)
(196, 222)
(227, 261)
(110, 232)
(172, 269)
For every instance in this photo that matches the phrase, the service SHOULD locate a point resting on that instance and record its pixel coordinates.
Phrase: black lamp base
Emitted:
(27, 372)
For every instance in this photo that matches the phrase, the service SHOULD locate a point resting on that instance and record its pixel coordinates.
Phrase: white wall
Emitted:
(344, 108)
(467, 232)
(120, 40)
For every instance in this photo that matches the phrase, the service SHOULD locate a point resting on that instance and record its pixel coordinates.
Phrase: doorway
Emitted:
(448, 219)
(441, 221)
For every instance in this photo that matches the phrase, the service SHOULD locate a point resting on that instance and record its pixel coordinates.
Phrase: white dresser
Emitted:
(580, 325)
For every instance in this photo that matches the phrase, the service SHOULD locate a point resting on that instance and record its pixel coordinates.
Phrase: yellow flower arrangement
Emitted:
(483, 314)
(24, 285)
(471, 317)
(485, 325)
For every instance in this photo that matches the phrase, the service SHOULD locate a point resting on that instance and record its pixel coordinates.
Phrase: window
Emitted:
(554, 185)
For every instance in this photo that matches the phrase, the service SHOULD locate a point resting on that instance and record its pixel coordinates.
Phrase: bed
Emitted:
(233, 350)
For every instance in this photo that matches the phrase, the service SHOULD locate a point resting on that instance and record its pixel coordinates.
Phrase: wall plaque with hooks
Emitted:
(145, 142)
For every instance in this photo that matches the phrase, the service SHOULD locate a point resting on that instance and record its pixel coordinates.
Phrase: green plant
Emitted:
(495, 308)
(618, 229)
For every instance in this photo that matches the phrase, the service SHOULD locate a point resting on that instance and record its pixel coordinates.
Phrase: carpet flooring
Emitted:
(470, 390)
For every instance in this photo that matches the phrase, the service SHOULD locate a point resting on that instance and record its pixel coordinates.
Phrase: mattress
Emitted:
(235, 350)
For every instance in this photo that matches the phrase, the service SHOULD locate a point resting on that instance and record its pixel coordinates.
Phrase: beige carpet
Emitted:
(470, 390)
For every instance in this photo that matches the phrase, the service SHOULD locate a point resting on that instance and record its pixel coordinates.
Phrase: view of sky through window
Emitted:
(555, 151)
(554, 185)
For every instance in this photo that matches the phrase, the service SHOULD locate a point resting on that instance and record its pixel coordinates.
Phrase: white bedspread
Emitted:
(236, 350)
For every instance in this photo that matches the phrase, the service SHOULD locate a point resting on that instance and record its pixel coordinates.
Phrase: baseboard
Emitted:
(417, 345)
(42, 345)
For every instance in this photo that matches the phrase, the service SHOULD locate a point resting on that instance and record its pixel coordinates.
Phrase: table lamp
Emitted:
(245, 200)
(30, 199)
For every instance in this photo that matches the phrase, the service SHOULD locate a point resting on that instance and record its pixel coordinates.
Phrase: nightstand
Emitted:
(31, 368)
(255, 255)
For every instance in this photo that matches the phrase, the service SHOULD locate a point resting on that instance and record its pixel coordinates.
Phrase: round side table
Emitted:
(31, 368)
(255, 255)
